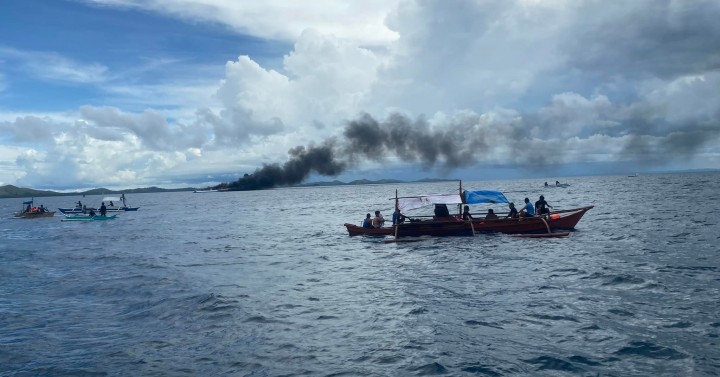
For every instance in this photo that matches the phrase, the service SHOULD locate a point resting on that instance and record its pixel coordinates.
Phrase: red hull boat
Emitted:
(558, 220)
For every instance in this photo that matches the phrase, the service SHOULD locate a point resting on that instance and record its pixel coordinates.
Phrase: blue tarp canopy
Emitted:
(484, 196)
(28, 202)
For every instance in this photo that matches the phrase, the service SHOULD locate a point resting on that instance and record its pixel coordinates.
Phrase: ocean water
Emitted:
(268, 283)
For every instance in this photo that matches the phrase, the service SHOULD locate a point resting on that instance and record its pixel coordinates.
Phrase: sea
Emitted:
(268, 283)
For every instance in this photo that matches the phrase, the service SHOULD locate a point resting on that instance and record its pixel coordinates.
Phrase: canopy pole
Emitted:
(397, 210)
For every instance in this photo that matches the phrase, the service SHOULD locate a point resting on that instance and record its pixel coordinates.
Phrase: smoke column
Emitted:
(366, 138)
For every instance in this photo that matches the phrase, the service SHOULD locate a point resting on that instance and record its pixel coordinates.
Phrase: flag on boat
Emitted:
(414, 202)
(484, 196)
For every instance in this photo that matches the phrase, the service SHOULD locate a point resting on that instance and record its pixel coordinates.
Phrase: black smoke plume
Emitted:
(366, 138)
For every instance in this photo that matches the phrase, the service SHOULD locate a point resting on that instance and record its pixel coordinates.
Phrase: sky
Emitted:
(178, 93)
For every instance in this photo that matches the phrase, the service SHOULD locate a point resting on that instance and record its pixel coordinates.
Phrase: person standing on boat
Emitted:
(367, 223)
(103, 209)
(541, 206)
(466, 213)
(528, 210)
(378, 220)
(513, 211)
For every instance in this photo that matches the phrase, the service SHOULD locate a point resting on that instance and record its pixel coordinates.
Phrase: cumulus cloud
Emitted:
(521, 83)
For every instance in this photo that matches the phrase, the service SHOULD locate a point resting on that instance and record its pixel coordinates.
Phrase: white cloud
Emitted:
(525, 83)
(359, 21)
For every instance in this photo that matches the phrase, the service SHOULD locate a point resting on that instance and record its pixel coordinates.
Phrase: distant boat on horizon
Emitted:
(633, 175)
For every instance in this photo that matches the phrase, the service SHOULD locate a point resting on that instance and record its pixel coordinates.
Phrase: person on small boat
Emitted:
(111, 204)
(367, 223)
(103, 209)
(513, 211)
(79, 205)
(441, 210)
(28, 209)
(91, 213)
(546, 185)
(541, 206)
(491, 215)
(42, 208)
(557, 183)
(528, 210)
(397, 217)
(466, 213)
(378, 220)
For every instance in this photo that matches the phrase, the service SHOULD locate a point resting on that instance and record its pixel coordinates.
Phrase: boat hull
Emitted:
(34, 215)
(89, 218)
(79, 210)
(567, 220)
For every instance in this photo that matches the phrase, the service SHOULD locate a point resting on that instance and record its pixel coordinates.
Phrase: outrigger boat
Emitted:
(545, 225)
(110, 206)
(28, 211)
(88, 218)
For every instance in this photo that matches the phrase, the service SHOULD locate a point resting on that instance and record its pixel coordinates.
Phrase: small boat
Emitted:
(28, 211)
(455, 226)
(88, 218)
(110, 206)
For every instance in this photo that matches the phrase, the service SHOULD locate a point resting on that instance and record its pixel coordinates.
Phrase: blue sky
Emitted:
(173, 93)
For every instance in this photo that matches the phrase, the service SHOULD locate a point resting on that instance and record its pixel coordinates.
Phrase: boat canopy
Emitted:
(413, 202)
(28, 202)
(484, 196)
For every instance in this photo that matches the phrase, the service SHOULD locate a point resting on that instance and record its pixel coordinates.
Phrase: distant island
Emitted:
(10, 191)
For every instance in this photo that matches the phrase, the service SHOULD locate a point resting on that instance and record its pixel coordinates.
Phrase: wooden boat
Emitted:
(455, 226)
(28, 211)
(108, 200)
(563, 220)
(88, 218)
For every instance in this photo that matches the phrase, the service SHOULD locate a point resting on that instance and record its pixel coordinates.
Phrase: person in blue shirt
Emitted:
(528, 210)
(367, 223)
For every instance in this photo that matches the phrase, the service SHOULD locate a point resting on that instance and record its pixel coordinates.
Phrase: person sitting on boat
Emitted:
(557, 183)
(367, 223)
(103, 209)
(378, 220)
(546, 185)
(42, 208)
(397, 217)
(528, 210)
(491, 215)
(541, 206)
(513, 214)
(28, 209)
(466, 213)
(111, 204)
(441, 210)
(91, 213)
(78, 205)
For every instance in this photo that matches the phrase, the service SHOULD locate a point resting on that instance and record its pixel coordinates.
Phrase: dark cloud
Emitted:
(644, 38)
